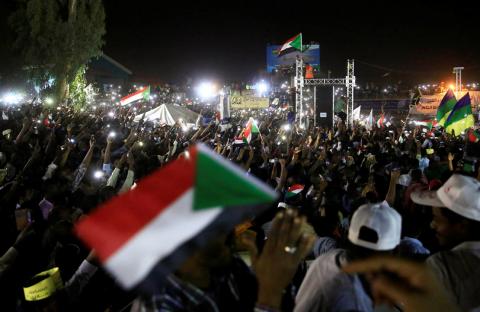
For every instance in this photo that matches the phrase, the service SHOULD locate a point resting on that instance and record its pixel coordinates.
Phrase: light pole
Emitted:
(458, 78)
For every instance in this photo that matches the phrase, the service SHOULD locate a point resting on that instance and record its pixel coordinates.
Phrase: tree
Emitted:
(57, 37)
(81, 94)
(78, 94)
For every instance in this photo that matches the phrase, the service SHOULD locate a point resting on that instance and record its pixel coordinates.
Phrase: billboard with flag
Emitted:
(311, 55)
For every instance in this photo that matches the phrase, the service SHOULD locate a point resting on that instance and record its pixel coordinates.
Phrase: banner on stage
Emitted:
(246, 100)
(428, 104)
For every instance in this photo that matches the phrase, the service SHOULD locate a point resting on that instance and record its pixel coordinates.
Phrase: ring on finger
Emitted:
(290, 249)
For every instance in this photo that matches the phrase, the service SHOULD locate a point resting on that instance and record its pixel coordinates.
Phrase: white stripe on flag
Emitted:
(158, 239)
(131, 99)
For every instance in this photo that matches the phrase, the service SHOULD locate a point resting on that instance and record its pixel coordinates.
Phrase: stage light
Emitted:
(261, 87)
(206, 90)
(12, 98)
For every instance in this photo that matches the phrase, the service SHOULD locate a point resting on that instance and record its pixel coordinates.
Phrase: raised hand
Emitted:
(285, 248)
(92, 141)
(404, 283)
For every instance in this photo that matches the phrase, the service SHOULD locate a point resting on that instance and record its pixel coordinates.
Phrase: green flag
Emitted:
(445, 107)
(461, 117)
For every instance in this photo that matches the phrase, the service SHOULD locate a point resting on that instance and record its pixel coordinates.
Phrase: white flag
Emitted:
(369, 123)
(4, 116)
(356, 113)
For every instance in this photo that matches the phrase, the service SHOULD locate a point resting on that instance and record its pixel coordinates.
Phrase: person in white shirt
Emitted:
(456, 221)
(375, 229)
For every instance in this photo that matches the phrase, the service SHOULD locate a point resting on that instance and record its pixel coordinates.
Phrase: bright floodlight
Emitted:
(451, 86)
(286, 127)
(206, 90)
(111, 114)
(12, 98)
(262, 87)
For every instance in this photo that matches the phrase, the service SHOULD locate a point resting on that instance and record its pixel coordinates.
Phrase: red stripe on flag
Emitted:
(133, 94)
(110, 226)
(295, 187)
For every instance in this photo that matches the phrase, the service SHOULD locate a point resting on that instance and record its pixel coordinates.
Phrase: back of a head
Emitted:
(376, 227)
(416, 175)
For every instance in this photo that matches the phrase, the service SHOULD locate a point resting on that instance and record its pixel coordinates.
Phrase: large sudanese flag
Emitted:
(292, 44)
(143, 93)
(445, 107)
(145, 234)
(461, 117)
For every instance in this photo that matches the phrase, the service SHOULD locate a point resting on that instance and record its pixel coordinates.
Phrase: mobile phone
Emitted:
(22, 218)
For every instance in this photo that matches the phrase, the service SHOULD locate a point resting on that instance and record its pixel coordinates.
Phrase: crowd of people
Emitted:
(386, 219)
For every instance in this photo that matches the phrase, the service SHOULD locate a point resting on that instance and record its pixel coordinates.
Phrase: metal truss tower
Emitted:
(299, 84)
(350, 85)
(348, 82)
(458, 78)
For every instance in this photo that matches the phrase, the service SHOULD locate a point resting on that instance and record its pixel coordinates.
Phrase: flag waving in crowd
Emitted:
(461, 117)
(143, 234)
(427, 123)
(356, 113)
(246, 134)
(473, 136)
(381, 121)
(143, 93)
(369, 122)
(445, 107)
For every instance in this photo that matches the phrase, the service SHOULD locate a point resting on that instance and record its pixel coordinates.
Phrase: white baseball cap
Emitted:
(404, 180)
(460, 194)
(382, 222)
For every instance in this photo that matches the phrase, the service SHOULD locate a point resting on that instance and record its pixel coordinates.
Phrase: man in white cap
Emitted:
(456, 221)
(374, 229)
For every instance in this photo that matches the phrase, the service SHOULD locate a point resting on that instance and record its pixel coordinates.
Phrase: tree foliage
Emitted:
(57, 37)
(78, 95)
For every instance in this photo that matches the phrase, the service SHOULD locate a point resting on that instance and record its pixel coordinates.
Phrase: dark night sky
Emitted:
(227, 41)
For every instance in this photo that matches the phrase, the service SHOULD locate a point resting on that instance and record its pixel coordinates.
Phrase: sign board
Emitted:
(323, 115)
(246, 100)
(311, 55)
(428, 104)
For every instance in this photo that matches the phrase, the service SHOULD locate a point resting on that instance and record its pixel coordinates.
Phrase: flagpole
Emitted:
(301, 44)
